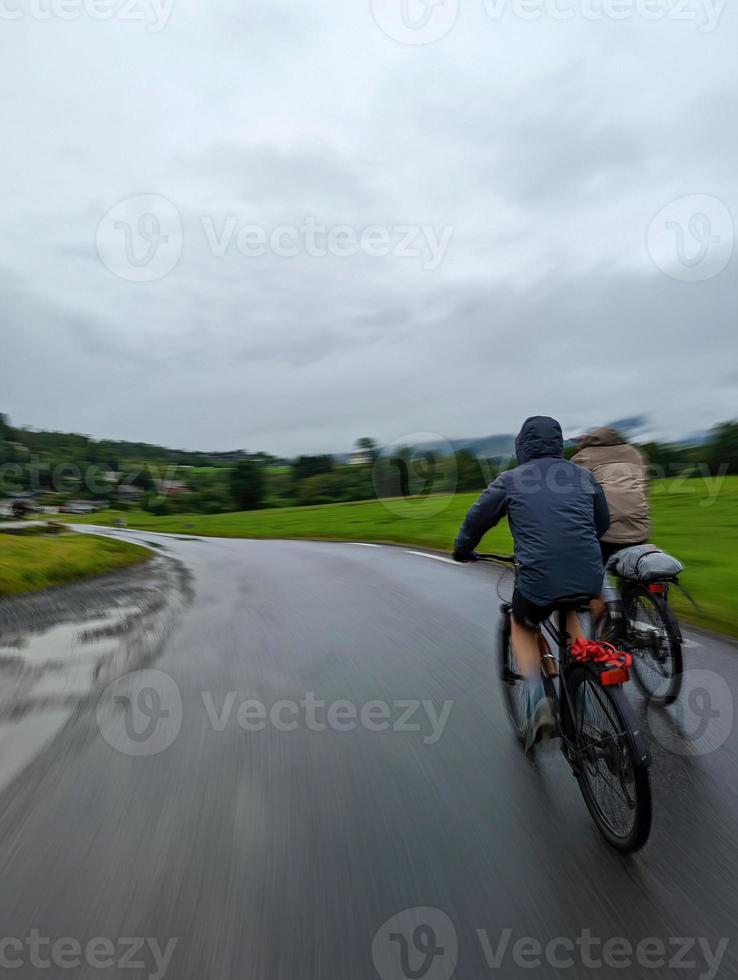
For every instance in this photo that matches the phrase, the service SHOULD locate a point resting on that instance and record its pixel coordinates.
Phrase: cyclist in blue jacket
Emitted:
(557, 512)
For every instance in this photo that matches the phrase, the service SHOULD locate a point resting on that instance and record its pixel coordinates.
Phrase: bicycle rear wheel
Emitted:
(654, 639)
(514, 686)
(611, 761)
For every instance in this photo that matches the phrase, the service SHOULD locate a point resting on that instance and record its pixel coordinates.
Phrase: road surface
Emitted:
(222, 807)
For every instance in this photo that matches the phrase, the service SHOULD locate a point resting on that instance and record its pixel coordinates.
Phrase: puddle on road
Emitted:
(60, 647)
(66, 642)
(22, 740)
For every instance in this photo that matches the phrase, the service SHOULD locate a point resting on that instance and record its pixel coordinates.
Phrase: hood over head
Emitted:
(539, 438)
(601, 437)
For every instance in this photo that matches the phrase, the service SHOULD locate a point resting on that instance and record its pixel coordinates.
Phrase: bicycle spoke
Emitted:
(652, 647)
(602, 759)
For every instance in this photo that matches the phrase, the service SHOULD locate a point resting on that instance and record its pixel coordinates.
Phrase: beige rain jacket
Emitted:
(621, 471)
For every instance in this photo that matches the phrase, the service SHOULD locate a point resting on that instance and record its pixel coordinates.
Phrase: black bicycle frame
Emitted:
(561, 638)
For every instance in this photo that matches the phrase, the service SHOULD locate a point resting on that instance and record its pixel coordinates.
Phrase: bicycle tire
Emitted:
(514, 686)
(658, 673)
(623, 750)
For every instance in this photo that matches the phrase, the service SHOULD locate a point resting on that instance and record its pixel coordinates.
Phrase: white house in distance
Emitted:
(80, 507)
(359, 457)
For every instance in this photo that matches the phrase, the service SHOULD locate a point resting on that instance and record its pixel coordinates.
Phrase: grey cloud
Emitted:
(548, 154)
(261, 25)
(308, 176)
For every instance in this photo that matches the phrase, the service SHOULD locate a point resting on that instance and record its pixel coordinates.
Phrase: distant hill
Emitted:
(488, 447)
(502, 445)
(14, 440)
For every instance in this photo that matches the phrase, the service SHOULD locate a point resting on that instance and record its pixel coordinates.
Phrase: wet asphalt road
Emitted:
(279, 854)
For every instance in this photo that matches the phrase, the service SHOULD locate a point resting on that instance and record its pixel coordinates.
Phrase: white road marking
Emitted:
(423, 554)
(365, 544)
(691, 643)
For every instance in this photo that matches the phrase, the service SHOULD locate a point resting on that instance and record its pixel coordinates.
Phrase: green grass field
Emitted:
(35, 562)
(690, 521)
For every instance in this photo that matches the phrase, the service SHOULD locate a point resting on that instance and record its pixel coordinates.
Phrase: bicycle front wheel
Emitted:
(611, 761)
(653, 638)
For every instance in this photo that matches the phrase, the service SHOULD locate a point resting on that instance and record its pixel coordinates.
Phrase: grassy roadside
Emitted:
(694, 520)
(35, 562)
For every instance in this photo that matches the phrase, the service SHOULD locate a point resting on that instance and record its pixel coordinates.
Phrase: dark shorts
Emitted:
(527, 613)
(610, 548)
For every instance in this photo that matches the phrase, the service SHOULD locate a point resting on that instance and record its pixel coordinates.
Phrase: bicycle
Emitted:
(652, 634)
(599, 737)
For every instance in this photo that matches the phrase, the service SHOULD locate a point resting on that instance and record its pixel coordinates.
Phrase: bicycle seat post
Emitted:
(563, 631)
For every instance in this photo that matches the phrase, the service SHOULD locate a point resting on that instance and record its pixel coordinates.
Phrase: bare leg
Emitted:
(525, 648)
(525, 644)
(541, 722)
(597, 608)
(574, 627)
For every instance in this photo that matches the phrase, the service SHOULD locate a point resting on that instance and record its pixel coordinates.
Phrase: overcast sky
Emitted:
(541, 164)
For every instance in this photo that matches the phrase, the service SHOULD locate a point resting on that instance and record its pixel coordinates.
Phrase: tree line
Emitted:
(165, 481)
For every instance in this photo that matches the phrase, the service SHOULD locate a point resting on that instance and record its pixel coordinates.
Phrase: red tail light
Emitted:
(618, 676)
(657, 588)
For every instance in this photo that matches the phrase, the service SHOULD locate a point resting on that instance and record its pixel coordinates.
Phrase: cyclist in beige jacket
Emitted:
(621, 470)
